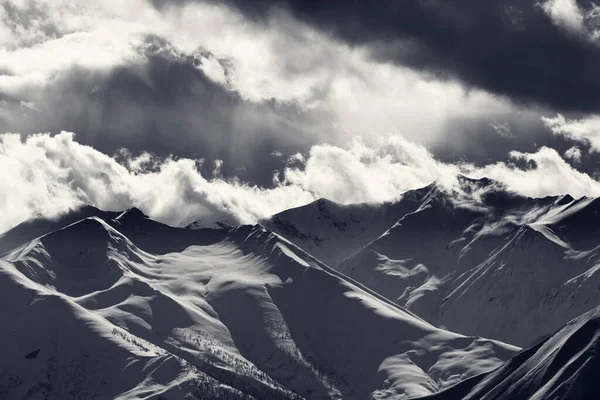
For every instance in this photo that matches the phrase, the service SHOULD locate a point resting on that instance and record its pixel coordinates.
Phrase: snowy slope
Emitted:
(564, 366)
(37, 227)
(480, 260)
(512, 270)
(55, 349)
(126, 307)
(332, 232)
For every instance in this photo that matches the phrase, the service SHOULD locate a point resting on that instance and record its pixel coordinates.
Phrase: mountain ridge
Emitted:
(447, 237)
(562, 366)
(241, 306)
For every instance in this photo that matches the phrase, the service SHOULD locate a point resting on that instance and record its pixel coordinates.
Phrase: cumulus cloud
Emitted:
(585, 130)
(573, 154)
(565, 13)
(569, 15)
(204, 80)
(545, 173)
(48, 175)
(509, 48)
(362, 173)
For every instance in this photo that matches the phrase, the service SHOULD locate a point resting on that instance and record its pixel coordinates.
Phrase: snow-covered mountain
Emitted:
(117, 305)
(476, 259)
(36, 227)
(562, 367)
(331, 231)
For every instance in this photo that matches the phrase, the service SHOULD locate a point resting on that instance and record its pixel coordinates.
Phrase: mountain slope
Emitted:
(480, 260)
(58, 349)
(564, 366)
(332, 232)
(497, 272)
(240, 310)
(36, 227)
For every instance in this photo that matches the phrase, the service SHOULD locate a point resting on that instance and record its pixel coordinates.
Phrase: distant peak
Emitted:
(199, 224)
(566, 199)
(323, 201)
(480, 182)
(194, 225)
(133, 213)
(84, 231)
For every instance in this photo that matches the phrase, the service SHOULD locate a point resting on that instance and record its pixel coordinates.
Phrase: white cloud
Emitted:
(502, 129)
(48, 175)
(550, 175)
(217, 170)
(364, 173)
(584, 130)
(573, 154)
(570, 16)
(565, 13)
(214, 69)
(284, 59)
(84, 34)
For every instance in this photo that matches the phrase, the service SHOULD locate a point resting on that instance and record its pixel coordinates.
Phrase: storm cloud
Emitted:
(544, 53)
(167, 104)
(204, 81)
(240, 109)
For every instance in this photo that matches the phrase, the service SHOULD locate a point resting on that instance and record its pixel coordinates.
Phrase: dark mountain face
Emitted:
(475, 258)
(250, 312)
(126, 307)
(331, 232)
(563, 366)
(37, 227)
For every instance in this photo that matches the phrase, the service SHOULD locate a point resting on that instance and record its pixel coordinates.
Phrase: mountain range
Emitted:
(448, 293)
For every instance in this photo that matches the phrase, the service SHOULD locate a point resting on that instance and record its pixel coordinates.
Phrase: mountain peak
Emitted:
(36, 227)
(471, 184)
(566, 199)
(75, 259)
(91, 233)
(132, 214)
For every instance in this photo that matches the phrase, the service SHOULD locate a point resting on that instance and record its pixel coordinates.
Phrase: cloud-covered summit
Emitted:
(50, 175)
(243, 109)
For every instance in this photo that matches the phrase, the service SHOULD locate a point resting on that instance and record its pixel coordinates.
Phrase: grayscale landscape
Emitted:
(292, 199)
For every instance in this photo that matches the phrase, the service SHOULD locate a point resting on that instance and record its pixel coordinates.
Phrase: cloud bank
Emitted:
(585, 130)
(512, 48)
(265, 102)
(209, 80)
(47, 175)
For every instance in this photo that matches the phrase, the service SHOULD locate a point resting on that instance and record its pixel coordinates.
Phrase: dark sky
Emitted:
(517, 52)
(510, 48)
(169, 107)
(239, 109)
